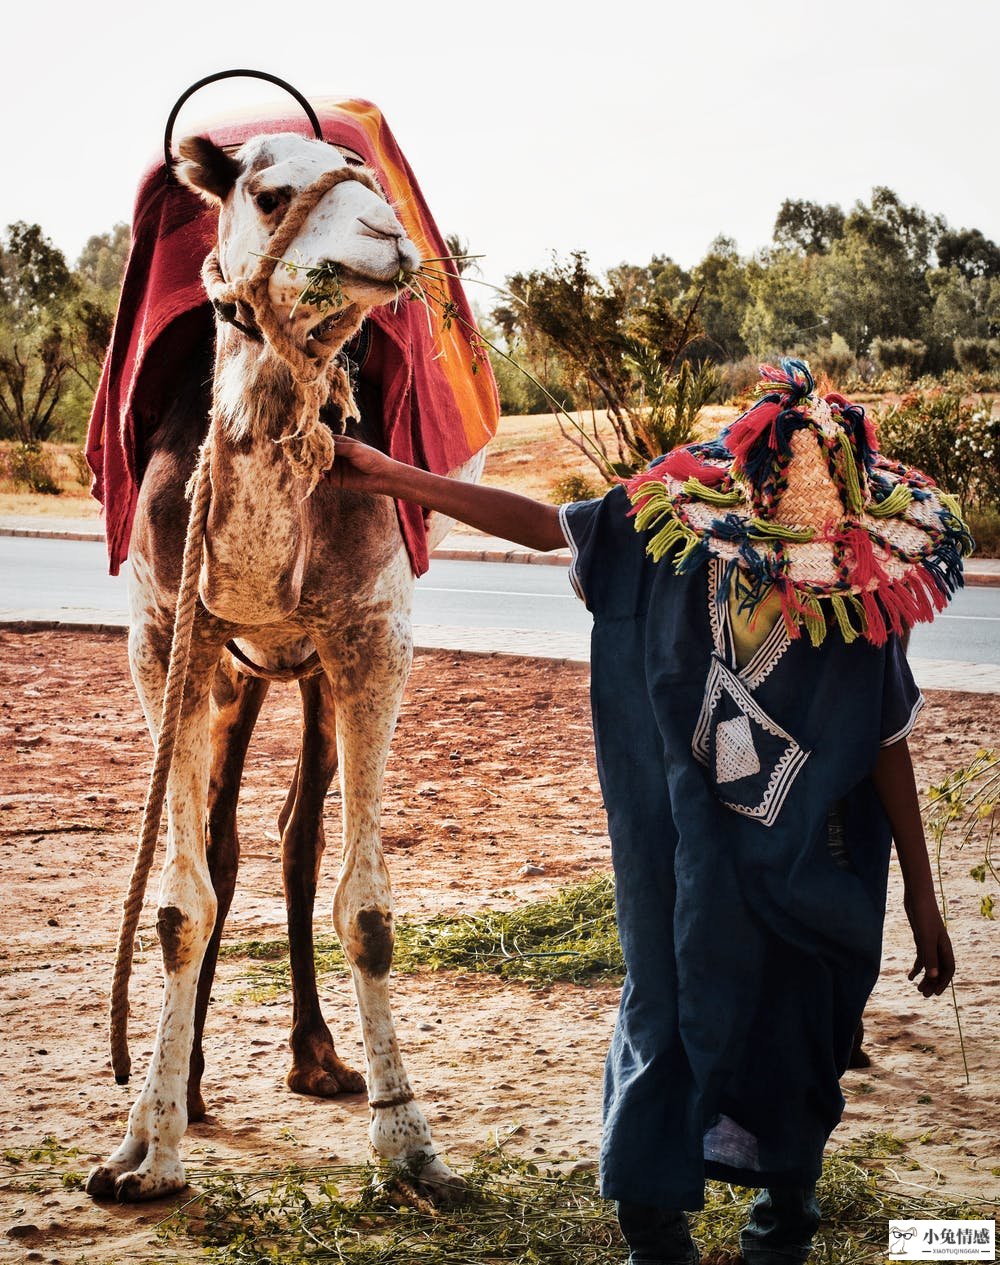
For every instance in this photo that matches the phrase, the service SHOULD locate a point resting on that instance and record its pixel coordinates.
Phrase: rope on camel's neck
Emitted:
(319, 377)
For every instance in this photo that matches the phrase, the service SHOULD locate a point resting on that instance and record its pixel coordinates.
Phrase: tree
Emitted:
(808, 226)
(784, 306)
(34, 274)
(32, 373)
(102, 261)
(620, 337)
(968, 250)
(36, 286)
(721, 280)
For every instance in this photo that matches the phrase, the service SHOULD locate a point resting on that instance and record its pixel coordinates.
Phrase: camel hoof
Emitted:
(427, 1189)
(132, 1188)
(196, 1108)
(101, 1182)
(325, 1082)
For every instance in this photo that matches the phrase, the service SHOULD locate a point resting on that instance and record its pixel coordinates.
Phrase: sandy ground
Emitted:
(491, 768)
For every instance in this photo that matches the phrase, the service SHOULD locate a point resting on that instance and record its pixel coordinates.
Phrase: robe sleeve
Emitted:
(580, 523)
(901, 699)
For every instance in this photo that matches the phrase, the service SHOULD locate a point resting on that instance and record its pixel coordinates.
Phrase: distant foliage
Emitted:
(623, 342)
(977, 355)
(573, 487)
(28, 468)
(955, 442)
(834, 359)
(905, 355)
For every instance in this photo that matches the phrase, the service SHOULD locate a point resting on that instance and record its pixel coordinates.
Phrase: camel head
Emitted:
(351, 230)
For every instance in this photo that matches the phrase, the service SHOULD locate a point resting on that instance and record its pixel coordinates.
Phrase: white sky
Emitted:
(623, 128)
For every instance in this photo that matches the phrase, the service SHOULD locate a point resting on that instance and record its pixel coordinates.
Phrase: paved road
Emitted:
(68, 578)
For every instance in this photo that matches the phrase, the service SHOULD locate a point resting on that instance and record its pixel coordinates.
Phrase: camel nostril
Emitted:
(387, 231)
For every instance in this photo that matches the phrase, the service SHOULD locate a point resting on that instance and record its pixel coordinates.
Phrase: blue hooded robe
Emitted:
(750, 853)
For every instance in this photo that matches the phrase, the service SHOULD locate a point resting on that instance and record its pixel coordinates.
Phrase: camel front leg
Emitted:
(316, 1066)
(147, 1165)
(363, 913)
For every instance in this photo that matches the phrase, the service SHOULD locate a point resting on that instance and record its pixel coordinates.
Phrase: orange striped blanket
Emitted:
(440, 403)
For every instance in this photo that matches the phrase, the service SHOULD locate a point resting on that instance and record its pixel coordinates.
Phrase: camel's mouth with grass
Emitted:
(335, 246)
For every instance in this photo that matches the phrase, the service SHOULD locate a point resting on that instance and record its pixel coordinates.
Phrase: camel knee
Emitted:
(185, 932)
(368, 937)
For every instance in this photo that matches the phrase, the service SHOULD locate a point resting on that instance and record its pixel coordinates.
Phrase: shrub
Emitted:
(572, 487)
(738, 378)
(977, 355)
(985, 528)
(27, 467)
(905, 355)
(834, 358)
(81, 469)
(956, 443)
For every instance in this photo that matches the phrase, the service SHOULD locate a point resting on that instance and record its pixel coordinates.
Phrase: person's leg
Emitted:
(656, 1236)
(782, 1223)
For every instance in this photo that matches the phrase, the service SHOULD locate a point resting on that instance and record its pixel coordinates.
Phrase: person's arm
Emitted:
(897, 789)
(507, 514)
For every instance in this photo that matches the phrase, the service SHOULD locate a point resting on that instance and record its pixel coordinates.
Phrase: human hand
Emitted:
(935, 956)
(358, 465)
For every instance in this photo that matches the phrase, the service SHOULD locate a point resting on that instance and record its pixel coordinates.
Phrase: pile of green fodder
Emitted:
(516, 1211)
(569, 936)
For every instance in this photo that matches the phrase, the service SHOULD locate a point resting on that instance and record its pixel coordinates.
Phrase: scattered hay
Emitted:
(517, 1211)
(570, 936)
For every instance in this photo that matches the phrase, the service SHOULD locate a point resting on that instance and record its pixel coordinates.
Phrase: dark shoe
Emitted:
(657, 1236)
(782, 1223)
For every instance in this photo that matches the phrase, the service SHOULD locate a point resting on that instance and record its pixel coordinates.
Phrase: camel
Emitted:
(300, 580)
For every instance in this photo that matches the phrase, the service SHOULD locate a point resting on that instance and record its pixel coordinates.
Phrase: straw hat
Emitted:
(795, 496)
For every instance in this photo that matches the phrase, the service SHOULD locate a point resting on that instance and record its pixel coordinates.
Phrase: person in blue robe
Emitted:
(751, 702)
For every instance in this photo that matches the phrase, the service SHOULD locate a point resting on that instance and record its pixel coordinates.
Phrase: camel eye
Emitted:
(267, 202)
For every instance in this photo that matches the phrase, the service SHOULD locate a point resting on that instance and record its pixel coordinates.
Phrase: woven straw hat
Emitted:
(795, 496)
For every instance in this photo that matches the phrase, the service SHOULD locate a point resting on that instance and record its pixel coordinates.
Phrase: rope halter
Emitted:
(317, 376)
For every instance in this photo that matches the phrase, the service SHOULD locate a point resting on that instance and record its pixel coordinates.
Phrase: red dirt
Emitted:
(492, 767)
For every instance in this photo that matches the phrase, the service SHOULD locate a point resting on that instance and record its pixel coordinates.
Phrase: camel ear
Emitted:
(207, 169)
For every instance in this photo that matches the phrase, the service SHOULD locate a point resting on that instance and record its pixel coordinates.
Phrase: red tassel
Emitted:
(790, 608)
(938, 599)
(893, 607)
(866, 565)
(875, 629)
(746, 431)
(633, 485)
(682, 464)
(907, 600)
(924, 611)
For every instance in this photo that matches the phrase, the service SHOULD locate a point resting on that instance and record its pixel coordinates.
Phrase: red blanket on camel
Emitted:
(439, 397)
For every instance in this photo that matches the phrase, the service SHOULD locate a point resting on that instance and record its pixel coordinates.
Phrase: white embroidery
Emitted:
(735, 754)
(574, 577)
(786, 768)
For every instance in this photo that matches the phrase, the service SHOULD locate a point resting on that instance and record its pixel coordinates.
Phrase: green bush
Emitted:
(573, 487)
(956, 443)
(834, 358)
(985, 528)
(977, 355)
(28, 468)
(904, 355)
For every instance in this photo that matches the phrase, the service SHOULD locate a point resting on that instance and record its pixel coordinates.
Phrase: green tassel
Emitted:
(952, 503)
(854, 602)
(813, 618)
(855, 500)
(695, 487)
(671, 534)
(847, 629)
(762, 529)
(893, 505)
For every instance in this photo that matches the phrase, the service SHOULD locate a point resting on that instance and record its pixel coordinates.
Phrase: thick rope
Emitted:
(173, 698)
(307, 444)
